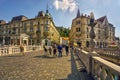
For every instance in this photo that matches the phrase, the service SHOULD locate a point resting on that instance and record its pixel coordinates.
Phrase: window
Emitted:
(78, 29)
(77, 22)
(25, 27)
(46, 28)
(47, 21)
(19, 30)
(31, 26)
(38, 25)
(14, 30)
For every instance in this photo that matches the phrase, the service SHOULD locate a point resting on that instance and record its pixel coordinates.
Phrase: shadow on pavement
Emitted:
(45, 56)
(74, 72)
(78, 74)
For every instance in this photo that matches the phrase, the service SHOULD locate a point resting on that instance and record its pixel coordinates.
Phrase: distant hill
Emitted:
(64, 32)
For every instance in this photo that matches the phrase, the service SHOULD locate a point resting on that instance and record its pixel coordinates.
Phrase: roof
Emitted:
(101, 19)
(2, 22)
(117, 38)
(78, 14)
(41, 13)
(65, 38)
(19, 18)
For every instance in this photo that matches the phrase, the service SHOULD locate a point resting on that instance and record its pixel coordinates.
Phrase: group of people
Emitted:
(57, 50)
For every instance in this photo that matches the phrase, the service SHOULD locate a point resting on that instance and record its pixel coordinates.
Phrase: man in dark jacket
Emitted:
(59, 47)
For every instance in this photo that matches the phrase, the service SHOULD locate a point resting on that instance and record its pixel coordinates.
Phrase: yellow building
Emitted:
(34, 31)
(64, 40)
(79, 34)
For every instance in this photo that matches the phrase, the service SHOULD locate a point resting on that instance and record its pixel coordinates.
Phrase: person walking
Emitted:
(45, 50)
(59, 47)
(67, 50)
(50, 50)
(22, 50)
(54, 51)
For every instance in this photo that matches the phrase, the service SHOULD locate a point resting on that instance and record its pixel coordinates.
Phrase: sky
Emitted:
(62, 11)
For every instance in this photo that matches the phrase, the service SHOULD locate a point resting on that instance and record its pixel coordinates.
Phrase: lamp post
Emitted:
(92, 33)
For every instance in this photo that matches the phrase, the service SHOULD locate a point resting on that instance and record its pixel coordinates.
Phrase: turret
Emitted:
(78, 13)
(47, 12)
(92, 15)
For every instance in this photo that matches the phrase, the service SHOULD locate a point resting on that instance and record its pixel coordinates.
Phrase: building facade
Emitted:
(34, 31)
(80, 31)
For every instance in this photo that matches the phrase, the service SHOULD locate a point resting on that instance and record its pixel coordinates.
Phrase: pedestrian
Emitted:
(67, 50)
(22, 50)
(59, 47)
(54, 51)
(50, 50)
(45, 50)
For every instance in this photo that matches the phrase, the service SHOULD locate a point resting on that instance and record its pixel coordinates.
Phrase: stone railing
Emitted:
(109, 52)
(4, 50)
(105, 70)
(33, 48)
(8, 50)
(98, 67)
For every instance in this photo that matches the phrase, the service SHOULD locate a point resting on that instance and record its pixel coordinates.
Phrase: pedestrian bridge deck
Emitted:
(36, 66)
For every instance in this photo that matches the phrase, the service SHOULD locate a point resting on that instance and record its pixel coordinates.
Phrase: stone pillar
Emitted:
(27, 42)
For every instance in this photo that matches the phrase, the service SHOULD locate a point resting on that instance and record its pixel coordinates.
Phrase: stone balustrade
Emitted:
(4, 50)
(105, 70)
(109, 52)
(98, 67)
(8, 50)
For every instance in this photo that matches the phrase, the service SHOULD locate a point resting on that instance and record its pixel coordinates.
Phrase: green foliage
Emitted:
(64, 32)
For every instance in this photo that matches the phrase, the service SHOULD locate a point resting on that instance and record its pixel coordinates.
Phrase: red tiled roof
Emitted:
(101, 19)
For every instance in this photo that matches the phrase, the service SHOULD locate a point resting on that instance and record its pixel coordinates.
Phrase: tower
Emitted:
(78, 13)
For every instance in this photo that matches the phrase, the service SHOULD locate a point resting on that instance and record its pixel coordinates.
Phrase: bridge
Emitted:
(79, 65)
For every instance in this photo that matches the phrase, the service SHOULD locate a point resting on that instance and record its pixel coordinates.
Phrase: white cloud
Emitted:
(65, 5)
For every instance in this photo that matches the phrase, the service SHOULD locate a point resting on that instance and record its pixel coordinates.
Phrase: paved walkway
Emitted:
(35, 66)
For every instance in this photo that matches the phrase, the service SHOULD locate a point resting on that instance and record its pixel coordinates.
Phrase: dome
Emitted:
(41, 13)
(48, 14)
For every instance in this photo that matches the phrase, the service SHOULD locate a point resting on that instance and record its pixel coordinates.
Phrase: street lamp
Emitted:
(92, 33)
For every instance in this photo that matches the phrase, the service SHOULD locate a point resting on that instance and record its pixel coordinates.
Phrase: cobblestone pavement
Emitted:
(36, 66)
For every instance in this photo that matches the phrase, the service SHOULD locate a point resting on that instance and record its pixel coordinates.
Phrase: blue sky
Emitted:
(62, 11)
